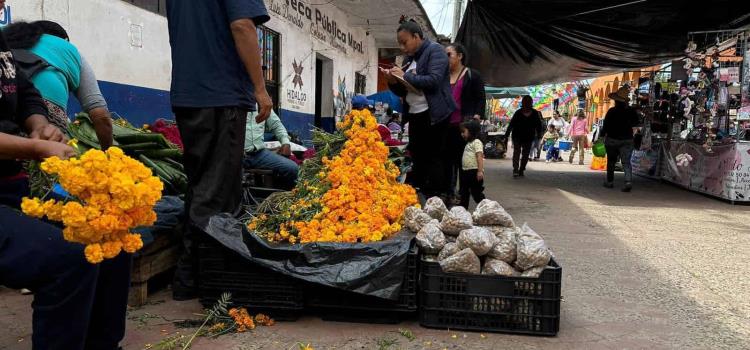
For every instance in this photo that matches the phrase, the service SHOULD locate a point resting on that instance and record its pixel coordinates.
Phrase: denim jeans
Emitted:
(77, 305)
(283, 168)
(553, 153)
(622, 149)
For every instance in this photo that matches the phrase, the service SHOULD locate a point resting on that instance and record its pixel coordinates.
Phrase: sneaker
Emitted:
(515, 174)
(520, 173)
(548, 160)
(628, 187)
(580, 162)
(609, 185)
(570, 160)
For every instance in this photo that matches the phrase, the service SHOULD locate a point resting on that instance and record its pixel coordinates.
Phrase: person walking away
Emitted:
(472, 164)
(216, 80)
(56, 67)
(524, 127)
(77, 305)
(579, 130)
(619, 123)
(429, 105)
(468, 93)
(550, 138)
(285, 170)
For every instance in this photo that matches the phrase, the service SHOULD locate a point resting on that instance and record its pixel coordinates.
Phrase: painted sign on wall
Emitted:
(5, 16)
(296, 95)
(321, 23)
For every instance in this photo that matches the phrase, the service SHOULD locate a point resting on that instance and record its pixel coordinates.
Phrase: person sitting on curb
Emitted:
(258, 157)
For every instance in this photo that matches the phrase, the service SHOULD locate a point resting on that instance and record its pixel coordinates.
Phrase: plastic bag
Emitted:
(532, 251)
(435, 208)
(478, 239)
(494, 267)
(430, 239)
(415, 218)
(506, 248)
(464, 261)
(375, 268)
(448, 250)
(456, 220)
(489, 212)
(533, 272)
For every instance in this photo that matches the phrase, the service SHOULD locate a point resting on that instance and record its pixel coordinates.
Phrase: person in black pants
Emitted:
(472, 165)
(217, 79)
(77, 305)
(429, 104)
(524, 127)
(619, 124)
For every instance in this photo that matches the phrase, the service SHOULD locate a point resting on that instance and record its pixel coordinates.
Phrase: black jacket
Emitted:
(433, 78)
(19, 100)
(473, 98)
(525, 129)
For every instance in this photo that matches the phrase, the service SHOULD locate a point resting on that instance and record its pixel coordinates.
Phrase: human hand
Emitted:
(285, 150)
(388, 76)
(44, 149)
(397, 72)
(264, 105)
(480, 175)
(48, 132)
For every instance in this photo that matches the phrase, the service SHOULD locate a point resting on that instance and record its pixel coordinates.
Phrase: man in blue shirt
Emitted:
(216, 80)
(258, 157)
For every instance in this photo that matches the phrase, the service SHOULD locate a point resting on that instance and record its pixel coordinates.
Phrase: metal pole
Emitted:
(456, 18)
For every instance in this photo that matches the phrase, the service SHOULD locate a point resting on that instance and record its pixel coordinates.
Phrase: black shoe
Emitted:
(628, 187)
(516, 174)
(520, 173)
(609, 185)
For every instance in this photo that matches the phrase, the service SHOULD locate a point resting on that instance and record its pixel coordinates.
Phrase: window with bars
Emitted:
(269, 42)
(360, 83)
(155, 6)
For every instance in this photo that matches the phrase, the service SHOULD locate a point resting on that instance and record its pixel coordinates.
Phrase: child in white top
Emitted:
(472, 165)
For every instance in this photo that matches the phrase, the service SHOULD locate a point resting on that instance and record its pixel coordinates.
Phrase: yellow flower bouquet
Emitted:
(348, 193)
(109, 194)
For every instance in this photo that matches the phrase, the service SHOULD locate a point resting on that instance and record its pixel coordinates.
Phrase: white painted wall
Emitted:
(107, 34)
(299, 45)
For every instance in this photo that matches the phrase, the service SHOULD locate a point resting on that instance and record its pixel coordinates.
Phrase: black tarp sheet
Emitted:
(528, 42)
(375, 269)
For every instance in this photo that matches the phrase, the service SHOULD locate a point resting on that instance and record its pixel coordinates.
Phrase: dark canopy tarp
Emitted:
(520, 43)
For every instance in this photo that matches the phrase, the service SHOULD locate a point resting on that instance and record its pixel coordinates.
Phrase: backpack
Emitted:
(28, 62)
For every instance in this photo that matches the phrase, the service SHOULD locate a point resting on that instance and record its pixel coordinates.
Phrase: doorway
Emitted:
(323, 91)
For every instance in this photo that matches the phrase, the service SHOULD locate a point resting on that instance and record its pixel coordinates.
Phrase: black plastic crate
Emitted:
(257, 288)
(337, 305)
(517, 305)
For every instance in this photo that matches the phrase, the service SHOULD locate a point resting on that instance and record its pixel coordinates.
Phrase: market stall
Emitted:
(708, 151)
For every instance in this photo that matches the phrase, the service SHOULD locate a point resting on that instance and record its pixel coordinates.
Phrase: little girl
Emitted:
(472, 165)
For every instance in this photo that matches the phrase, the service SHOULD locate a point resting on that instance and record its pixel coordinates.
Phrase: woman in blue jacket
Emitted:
(429, 104)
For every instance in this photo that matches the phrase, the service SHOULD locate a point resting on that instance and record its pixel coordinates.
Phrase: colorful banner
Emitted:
(723, 172)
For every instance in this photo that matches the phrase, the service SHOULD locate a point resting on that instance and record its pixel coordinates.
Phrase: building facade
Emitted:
(315, 57)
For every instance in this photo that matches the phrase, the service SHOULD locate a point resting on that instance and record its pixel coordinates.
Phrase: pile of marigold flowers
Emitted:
(348, 193)
(109, 194)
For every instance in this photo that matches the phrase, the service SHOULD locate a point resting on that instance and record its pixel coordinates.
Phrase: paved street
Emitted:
(659, 268)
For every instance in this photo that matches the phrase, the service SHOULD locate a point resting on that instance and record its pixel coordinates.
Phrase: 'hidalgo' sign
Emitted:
(322, 25)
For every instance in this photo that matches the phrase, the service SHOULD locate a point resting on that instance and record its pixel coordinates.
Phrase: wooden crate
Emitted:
(158, 257)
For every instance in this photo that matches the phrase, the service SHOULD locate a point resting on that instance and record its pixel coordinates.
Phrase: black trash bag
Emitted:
(375, 269)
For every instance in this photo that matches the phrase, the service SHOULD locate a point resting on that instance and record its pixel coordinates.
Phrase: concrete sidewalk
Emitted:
(658, 268)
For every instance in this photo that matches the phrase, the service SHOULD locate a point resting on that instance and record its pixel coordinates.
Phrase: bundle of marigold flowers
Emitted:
(347, 193)
(109, 194)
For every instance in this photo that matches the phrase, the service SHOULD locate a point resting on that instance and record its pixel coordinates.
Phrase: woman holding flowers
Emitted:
(77, 305)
